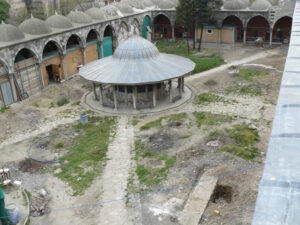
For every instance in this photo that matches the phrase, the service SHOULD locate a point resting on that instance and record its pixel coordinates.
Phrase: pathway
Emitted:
(116, 174)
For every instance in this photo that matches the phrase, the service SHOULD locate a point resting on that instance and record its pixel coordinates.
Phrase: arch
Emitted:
(123, 32)
(52, 65)
(136, 27)
(6, 91)
(146, 24)
(282, 29)
(93, 47)
(74, 41)
(236, 22)
(93, 35)
(109, 40)
(27, 73)
(162, 27)
(258, 26)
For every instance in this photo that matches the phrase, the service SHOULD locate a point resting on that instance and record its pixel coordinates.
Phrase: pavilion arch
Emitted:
(236, 22)
(146, 27)
(109, 40)
(282, 29)
(27, 73)
(162, 27)
(52, 63)
(257, 26)
(6, 88)
(93, 46)
(74, 54)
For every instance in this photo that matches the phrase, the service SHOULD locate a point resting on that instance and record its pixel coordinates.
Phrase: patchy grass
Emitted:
(59, 145)
(239, 140)
(62, 101)
(177, 117)
(147, 175)
(248, 74)
(206, 118)
(208, 97)
(4, 108)
(135, 122)
(157, 123)
(152, 124)
(76, 103)
(87, 153)
(203, 63)
(250, 89)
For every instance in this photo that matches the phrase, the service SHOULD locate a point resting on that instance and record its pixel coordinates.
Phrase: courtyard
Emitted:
(144, 168)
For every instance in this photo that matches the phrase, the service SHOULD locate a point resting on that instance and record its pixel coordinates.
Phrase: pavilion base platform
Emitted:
(144, 103)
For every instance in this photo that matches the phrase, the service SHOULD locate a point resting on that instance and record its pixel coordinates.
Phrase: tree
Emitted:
(186, 16)
(205, 14)
(4, 10)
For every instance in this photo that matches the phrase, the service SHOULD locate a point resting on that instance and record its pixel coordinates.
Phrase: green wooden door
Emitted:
(146, 23)
(107, 46)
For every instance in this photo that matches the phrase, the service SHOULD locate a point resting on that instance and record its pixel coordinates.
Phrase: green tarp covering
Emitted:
(146, 23)
(3, 211)
(107, 46)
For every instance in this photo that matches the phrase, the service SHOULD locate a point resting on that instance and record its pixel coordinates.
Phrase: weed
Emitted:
(135, 122)
(4, 108)
(248, 74)
(208, 97)
(52, 105)
(59, 145)
(86, 150)
(177, 117)
(36, 105)
(62, 101)
(240, 141)
(75, 103)
(206, 118)
(250, 89)
(155, 123)
(28, 221)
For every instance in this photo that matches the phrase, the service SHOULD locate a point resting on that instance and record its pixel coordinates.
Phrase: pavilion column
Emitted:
(170, 91)
(134, 97)
(271, 36)
(101, 94)
(147, 91)
(154, 94)
(179, 83)
(102, 52)
(115, 97)
(245, 36)
(95, 91)
(126, 95)
(64, 66)
(84, 55)
(173, 32)
(13, 87)
(182, 84)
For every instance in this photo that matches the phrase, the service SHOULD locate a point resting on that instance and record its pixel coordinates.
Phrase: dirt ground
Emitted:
(183, 140)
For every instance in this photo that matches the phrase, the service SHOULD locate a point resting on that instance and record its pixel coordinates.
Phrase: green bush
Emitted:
(62, 101)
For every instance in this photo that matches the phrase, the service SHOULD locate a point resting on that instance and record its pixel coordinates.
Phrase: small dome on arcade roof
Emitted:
(79, 17)
(236, 4)
(59, 22)
(110, 11)
(34, 26)
(166, 4)
(95, 13)
(124, 8)
(10, 33)
(260, 5)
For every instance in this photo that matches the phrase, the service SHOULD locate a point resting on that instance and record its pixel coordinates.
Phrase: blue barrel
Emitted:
(84, 119)
(14, 214)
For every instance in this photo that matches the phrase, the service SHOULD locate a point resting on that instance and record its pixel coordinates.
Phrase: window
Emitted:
(209, 31)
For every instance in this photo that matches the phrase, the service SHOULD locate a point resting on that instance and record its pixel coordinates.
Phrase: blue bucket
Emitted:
(14, 214)
(84, 119)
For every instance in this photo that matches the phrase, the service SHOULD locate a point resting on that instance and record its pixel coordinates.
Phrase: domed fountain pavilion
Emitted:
(137, 77)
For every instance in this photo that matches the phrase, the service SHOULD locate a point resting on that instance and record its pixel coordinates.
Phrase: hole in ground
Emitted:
(222, 193)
